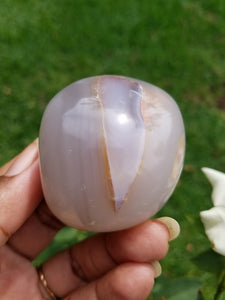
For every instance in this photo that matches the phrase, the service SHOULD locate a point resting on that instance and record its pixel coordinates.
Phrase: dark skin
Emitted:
(115, 265)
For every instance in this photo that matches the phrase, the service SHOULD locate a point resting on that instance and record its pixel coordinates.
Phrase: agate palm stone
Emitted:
(111, 152)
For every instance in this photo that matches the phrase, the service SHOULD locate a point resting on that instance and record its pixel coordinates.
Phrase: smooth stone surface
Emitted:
(111, 152)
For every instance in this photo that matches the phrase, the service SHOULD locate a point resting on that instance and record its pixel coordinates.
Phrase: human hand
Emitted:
(117, 265)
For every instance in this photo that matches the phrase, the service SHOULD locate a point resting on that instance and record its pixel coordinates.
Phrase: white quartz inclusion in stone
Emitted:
(123, 134)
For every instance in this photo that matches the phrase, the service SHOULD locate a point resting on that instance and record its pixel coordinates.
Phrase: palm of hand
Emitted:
(119, 265)
(18, 277)
(105, 266)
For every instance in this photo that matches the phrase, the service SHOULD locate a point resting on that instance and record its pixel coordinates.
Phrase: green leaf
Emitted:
(178, 289)
(210, 261)
(65, 238)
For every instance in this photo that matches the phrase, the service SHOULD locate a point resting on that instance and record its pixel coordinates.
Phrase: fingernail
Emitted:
(172, 226)
(157, 268)
(24, 159)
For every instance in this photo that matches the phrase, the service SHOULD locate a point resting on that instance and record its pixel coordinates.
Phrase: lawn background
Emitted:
(177, 45)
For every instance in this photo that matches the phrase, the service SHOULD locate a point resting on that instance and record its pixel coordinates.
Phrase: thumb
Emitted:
(20, 191)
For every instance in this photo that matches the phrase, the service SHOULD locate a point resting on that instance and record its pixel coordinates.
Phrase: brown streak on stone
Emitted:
(104, 148)
(142, 108)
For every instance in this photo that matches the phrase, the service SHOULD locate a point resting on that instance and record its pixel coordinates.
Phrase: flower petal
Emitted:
(214, 223)
(217, 179)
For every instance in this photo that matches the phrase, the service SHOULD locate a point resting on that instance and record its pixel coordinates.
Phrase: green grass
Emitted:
(177, 45)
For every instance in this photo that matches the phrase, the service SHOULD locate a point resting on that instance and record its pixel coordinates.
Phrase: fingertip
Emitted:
(157, 268)
(143, 243)
(172, 226)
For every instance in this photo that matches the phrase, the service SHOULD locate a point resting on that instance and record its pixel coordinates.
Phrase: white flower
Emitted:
(214, 218)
